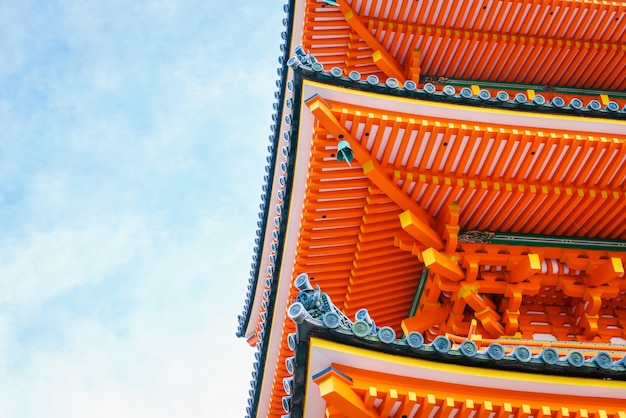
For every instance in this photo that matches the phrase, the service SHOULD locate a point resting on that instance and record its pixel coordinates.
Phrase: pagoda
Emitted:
(442, 231)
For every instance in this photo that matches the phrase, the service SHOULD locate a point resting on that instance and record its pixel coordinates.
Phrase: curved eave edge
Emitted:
(273, 148)
(327, 77)
(310, 329)
(481, 359)
(315, 315)
(270, 300)
(400, 347)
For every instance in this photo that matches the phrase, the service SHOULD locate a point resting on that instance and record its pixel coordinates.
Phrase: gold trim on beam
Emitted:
(440, 264)
(420, 230)
(529, 266)
(604, 273)
(338, 393)
(381, 57)
(372, 169)
(425, 318)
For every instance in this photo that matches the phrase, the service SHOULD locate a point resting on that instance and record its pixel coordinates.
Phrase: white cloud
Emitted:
(45, 264)
(170, 352)
(134, 138)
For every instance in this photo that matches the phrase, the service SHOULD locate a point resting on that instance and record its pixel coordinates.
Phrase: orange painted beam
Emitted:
(410, 405)
(486, 410)
(487, 316)
(413, 68)
(510, 319)
(604, 273)
(474, 400)
(451, 236)
(441, 264)
(389, 403)
(525, 269)
(524, 186)
(372, 169)
(427, 318)
(567, 48)
(419, 230)
(428, 405)
(337, 393)
(371, 394)
(332, 412)
(450, 214)
(467, 409)
(447, 406)
(381, 57)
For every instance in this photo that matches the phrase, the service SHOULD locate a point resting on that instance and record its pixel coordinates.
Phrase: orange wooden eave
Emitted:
(358, 392)
(351, 216)
(547, 179)
(567, 43)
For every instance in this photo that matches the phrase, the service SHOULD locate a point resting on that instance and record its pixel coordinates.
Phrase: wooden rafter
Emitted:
(322, 111)
(568, 43)
(369, 393)
(514, 176)
(586, 279)
(381, 57)
(375, 242)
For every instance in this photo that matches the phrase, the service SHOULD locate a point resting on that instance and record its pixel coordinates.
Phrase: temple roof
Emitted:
(367, 383)
(573, 102)
(546, 135)
(348, 216)
(529, 162)
(565, 43)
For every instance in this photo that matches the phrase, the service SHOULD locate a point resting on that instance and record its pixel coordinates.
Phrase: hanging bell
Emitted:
(344, 152)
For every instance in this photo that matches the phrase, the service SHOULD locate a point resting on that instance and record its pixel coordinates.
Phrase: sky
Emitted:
(133, 138)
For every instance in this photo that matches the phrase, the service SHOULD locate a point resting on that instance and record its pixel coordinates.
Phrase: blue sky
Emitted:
(132, 145)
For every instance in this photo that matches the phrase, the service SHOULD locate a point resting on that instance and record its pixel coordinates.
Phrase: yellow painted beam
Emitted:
(381, 57)
(604, 98)
(440, 264)
(420, 230)
(524, 411)
(563, 412)
(337, 393)
(544, 412)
